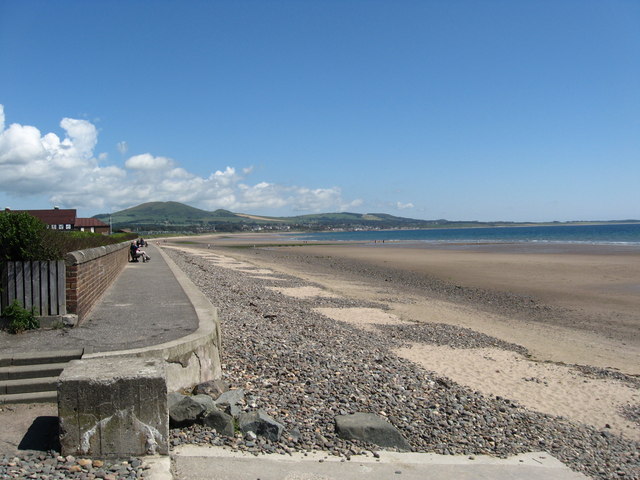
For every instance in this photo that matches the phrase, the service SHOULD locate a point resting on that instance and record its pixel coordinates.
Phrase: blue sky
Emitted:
(465, 110)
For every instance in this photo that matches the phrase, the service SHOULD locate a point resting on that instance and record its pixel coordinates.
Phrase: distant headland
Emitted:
(178, 217)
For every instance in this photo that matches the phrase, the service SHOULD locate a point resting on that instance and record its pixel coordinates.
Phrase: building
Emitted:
(91, 225)
(67, 220)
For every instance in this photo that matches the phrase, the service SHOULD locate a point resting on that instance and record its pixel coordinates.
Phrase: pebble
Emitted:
(48, 465)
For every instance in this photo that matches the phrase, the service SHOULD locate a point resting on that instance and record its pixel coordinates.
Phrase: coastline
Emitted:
(311, 333)
(576, 304)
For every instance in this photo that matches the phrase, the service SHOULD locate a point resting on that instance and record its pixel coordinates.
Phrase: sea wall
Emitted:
(89, 273)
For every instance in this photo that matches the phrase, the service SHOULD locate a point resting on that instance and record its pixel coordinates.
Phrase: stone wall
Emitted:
(89, 273)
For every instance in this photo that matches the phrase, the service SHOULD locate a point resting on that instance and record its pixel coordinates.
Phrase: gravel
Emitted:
(50, 465)
(303, 369)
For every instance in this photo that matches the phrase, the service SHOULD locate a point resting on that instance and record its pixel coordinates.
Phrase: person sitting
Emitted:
(143, 254)
(133, 252)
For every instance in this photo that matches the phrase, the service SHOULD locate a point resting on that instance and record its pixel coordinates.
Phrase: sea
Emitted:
(600, 234)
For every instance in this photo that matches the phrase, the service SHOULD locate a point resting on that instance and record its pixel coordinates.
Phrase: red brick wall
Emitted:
(89, 274)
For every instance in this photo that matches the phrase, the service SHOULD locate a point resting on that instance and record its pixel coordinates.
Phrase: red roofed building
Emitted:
(91, 225)
(66, 219)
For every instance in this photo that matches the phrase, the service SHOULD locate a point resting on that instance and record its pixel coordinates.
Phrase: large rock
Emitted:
(186, 410)
(370, 428)
(173, 398)
(189, 410)
(113, 407)
(231, 401)
(219, 421)
(213, 388)
(261, 424)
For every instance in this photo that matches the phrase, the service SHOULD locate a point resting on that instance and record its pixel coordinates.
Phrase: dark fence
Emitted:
(38, 284)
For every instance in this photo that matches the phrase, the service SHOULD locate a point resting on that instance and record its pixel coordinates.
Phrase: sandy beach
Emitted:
(574, 304)
(554, 332)
(566, 305)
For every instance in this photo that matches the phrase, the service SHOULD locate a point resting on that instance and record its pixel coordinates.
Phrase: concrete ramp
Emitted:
(214, 463)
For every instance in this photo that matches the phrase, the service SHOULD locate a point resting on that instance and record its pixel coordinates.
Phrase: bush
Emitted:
(20, 319)
(65, 242)
(24, 237)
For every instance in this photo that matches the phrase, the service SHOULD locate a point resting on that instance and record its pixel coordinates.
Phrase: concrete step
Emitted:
(31, 371)
(54, 356)
(28, 385)
(32, 397)
(33, 377)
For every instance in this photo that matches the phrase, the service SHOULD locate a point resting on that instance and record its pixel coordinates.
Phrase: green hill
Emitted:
(178, 217)
(175, 216)
(158, 214)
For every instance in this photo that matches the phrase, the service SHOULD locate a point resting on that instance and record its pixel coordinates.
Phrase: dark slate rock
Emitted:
(370, 428)
(231, 402)
(205, 400)
(231, 397)
(189, 410)
(261, 424)
(219, 421)
(213, 388)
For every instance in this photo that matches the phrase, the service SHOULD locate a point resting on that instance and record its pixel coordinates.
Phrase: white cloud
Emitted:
(122, 147)
(82, 137)
(404, 206)
(146, 161)
(68, 174)
(20, 145)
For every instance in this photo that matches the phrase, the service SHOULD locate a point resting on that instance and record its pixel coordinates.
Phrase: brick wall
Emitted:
(89, 273)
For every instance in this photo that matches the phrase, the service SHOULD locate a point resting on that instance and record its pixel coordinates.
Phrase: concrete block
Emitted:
(113, 407)
(58, 321)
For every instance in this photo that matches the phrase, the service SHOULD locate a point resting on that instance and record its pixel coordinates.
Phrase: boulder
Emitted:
(261, 424)
(205, 400)
(230, 401)
(219, 421)
(189, 410)
(173, 398)
(370, 428)
(213, 388)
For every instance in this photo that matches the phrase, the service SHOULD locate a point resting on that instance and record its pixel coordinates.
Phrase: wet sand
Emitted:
(575, 304)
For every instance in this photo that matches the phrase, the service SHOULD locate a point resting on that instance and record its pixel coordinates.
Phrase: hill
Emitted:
(168, 215)
(153, 217)
(175, 216)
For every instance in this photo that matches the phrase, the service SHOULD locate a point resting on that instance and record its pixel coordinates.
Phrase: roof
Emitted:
(53, 216)
(90, 222)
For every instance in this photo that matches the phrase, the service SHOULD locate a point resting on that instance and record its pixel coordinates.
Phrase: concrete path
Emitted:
(209, 463)
(145, 306)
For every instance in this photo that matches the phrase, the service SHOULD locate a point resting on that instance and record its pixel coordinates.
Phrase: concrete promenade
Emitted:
(148, 305)
(145, 306)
